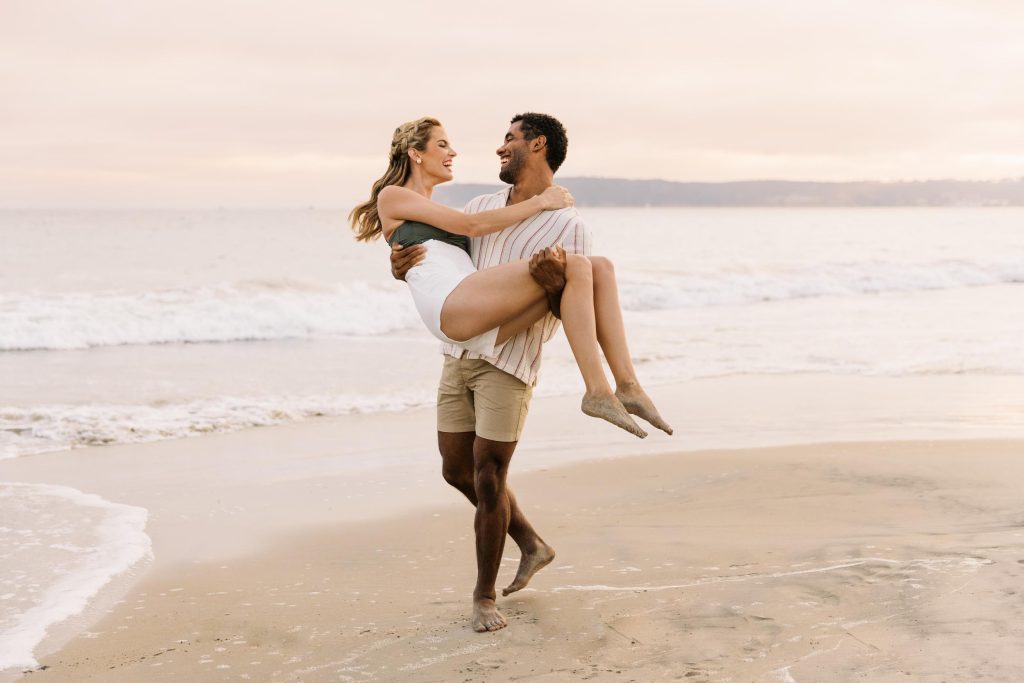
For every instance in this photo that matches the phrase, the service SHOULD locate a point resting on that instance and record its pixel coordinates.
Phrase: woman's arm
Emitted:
(402, 204)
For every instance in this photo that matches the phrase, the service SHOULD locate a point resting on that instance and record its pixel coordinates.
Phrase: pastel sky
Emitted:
(266, 103)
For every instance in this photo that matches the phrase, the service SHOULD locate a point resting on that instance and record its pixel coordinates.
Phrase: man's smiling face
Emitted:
(512, 154)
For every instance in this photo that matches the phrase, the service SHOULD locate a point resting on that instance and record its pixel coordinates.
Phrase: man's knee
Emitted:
(456, 474)
(488, 482)
(457, 458)
(490, 467)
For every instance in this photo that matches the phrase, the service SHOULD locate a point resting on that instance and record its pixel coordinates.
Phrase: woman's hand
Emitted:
(555, 197)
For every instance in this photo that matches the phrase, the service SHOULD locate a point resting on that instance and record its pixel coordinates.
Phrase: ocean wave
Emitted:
(271, 310)
(46, 428)
(739, 285)
(230, 312)
(41, 428)
(61, 546)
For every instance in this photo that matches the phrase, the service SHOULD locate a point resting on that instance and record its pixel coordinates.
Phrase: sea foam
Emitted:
(44, 428)
(739, 284)
(250, 311)
(230, 312)
(60, 547)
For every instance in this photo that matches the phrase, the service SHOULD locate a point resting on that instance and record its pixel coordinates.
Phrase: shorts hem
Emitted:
(450, 428)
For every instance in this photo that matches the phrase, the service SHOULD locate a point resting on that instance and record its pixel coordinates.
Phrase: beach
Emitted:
(219, 457)
(888, 559)
(217, 447)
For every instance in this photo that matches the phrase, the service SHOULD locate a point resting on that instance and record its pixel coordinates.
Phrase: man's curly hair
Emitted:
(551, 128)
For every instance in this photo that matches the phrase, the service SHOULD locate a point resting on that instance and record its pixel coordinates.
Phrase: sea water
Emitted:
(129, 326)
(135, 326)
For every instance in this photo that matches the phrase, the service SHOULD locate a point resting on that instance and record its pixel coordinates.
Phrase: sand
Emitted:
(887, 561)
(796, 528)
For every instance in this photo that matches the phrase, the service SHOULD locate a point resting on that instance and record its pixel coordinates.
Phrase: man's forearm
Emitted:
(555, 303)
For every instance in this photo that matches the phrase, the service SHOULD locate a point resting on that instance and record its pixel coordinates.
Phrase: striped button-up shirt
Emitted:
(520, 356)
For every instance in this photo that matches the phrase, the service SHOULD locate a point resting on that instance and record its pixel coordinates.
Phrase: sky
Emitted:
(265, 103)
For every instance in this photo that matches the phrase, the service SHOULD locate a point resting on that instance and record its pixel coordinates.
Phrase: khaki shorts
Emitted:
(475, 396)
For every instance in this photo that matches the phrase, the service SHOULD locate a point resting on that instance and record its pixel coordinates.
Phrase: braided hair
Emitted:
(411, 135)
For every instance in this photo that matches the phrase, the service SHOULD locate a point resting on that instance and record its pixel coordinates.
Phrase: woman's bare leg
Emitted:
(523, 321)
(611, 334)
(490, 298)
(580, 324)
(508, 295)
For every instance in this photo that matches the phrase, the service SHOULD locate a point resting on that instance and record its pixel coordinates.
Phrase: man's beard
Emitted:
(510, 171)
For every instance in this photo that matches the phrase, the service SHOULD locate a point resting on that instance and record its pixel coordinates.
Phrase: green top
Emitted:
(411, 233)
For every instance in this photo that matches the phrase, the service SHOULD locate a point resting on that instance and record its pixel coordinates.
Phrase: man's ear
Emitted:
(538, 143)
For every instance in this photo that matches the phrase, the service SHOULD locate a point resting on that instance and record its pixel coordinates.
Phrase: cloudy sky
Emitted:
(266, 103)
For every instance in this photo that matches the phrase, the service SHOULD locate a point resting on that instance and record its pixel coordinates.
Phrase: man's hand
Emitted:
(547, 268)
(403, 259)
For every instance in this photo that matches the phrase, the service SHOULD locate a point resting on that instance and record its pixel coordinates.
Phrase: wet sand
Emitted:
(884, 561)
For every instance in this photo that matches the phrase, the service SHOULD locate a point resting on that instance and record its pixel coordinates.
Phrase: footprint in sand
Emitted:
(490, 662)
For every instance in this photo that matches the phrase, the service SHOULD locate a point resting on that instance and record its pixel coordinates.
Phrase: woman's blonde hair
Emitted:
(412, 135)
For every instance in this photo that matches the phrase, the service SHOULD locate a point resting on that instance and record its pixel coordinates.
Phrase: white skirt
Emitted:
(432, 280)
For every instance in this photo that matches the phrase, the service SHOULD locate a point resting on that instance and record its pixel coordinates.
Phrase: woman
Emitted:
(480, 310)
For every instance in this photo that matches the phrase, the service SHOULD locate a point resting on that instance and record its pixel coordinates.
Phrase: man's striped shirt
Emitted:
(521, 354)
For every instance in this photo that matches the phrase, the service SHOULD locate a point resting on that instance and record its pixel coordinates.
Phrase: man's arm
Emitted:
(547, 267)
(403, 259)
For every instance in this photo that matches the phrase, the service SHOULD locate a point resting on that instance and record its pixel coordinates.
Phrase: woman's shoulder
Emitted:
(395, 193)
(391, 192)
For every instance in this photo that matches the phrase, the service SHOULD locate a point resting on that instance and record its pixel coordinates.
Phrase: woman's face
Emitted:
(438, 156)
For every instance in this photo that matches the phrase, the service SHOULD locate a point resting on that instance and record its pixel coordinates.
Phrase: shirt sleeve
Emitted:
(577, 238)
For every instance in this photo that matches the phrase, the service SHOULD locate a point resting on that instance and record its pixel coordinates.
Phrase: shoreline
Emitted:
(223, 498)
(836, 559)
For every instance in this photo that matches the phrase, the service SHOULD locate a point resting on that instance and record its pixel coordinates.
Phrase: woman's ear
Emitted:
(415, 156)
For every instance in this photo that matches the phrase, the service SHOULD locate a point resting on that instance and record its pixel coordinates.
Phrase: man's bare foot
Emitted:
(530, 564)
(486, 616)
(635, 400)
(607, 407)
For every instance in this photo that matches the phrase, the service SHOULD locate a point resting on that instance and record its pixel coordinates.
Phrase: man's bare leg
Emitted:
(459, 469)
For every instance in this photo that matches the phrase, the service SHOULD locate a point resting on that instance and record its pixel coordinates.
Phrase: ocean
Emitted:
(136, 326)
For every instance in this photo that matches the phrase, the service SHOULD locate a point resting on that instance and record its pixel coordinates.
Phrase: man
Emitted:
(482, 402)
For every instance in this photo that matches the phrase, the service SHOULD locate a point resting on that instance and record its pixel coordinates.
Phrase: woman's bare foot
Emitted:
(636, 401)
(607, 407)
(530, 564)
(486, 616)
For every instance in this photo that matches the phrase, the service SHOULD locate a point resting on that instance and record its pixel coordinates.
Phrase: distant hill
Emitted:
(621, 192)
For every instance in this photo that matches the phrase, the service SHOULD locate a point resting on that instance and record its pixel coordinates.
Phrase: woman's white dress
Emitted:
(433, 279)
